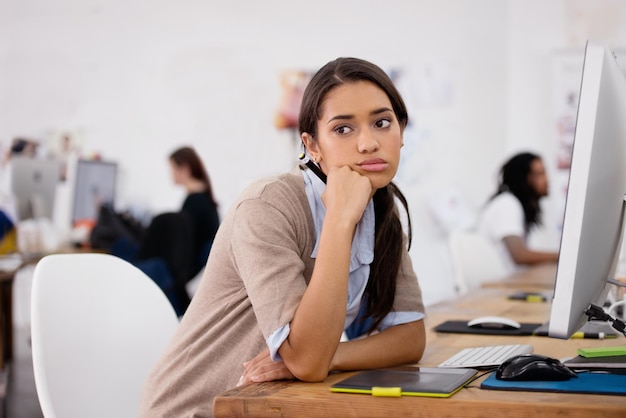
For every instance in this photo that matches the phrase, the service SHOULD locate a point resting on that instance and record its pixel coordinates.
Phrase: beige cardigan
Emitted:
(257, 271)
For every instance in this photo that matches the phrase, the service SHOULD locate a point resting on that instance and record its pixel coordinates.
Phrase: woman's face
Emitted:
(359, 129)
(178, 172)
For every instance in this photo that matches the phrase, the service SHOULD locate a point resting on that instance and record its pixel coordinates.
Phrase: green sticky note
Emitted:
(602, 351)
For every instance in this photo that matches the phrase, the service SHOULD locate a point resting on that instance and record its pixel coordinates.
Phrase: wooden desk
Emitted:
(539, 278)
(298, 399)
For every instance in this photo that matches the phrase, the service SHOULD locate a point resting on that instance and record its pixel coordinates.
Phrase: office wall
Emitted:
(541, 36)
(135, 79)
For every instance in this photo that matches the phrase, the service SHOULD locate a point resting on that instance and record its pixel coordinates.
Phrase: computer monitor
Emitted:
(33, 184)
(95, 186)
(594, 208)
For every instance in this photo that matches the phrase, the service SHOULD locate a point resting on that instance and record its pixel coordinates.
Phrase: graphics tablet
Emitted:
(433, 382)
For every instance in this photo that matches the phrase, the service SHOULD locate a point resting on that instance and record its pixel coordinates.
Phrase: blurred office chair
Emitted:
(98, 325)
(475, 260)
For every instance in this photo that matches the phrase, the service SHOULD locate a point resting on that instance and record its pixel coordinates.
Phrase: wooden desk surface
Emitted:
(298, 399)
(539, 278)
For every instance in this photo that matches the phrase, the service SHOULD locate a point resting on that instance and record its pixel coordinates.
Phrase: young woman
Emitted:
(296, 258)
(513, 211)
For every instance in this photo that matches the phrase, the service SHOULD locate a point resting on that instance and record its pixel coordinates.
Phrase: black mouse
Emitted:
(533, 367)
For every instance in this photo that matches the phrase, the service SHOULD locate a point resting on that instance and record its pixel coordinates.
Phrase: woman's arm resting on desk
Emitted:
(318, 322)
(521, 254)
(397, 345)
(401, 344)
(315, 329)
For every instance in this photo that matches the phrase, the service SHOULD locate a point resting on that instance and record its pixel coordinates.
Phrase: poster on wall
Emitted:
(292, 83)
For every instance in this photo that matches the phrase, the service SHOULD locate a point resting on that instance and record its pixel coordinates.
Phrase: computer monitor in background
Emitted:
(95, 185)
(594, 208)
(33, 184)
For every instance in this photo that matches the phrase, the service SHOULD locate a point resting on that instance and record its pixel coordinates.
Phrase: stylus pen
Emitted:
(528, 297)
(593, 335)
(313, 167)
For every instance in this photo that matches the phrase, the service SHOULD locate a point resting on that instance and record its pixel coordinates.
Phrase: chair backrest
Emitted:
(475, 260)
(98, 326)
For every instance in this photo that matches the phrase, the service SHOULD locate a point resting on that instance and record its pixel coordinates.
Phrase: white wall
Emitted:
(139, 78)
(539, 32)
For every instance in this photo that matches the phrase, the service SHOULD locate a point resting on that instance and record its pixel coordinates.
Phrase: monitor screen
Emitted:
(95, 185)
(33, 184)
(594, 208)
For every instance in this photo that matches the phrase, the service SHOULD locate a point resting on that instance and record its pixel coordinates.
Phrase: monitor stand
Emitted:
(595, 312)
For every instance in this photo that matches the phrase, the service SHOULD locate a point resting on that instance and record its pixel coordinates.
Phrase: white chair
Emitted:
(475, 260)
(98, 326)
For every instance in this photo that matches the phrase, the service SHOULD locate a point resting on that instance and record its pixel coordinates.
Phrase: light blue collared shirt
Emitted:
(361, 256)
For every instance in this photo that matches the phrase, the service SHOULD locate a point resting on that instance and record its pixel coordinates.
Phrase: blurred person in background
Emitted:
(513, 211)
(174, 247)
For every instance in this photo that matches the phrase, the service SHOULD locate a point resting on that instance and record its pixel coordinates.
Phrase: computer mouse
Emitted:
(533, 367)
(493, 322)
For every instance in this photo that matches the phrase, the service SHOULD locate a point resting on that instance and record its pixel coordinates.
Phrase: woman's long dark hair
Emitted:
(187, 156)
(514, 179)
(389, 243)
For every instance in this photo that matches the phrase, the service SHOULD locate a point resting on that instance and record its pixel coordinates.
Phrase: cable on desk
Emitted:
(478, 376)
(596, 312)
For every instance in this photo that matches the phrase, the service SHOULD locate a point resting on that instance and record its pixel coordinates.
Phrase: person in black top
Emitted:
(200, 206)
(175, 246)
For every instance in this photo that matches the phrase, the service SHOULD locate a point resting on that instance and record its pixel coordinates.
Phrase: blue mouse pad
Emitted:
(598, 383)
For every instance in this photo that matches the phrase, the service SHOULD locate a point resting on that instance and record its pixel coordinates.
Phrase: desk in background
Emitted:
(538, 278)
(298, 399)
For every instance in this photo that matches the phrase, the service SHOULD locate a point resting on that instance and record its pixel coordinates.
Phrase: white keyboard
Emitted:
(492, 355)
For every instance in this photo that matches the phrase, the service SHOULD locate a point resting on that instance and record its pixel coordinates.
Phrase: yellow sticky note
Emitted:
(394, 392)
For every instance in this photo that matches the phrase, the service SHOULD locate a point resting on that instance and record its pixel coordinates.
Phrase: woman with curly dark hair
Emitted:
(513, 211)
